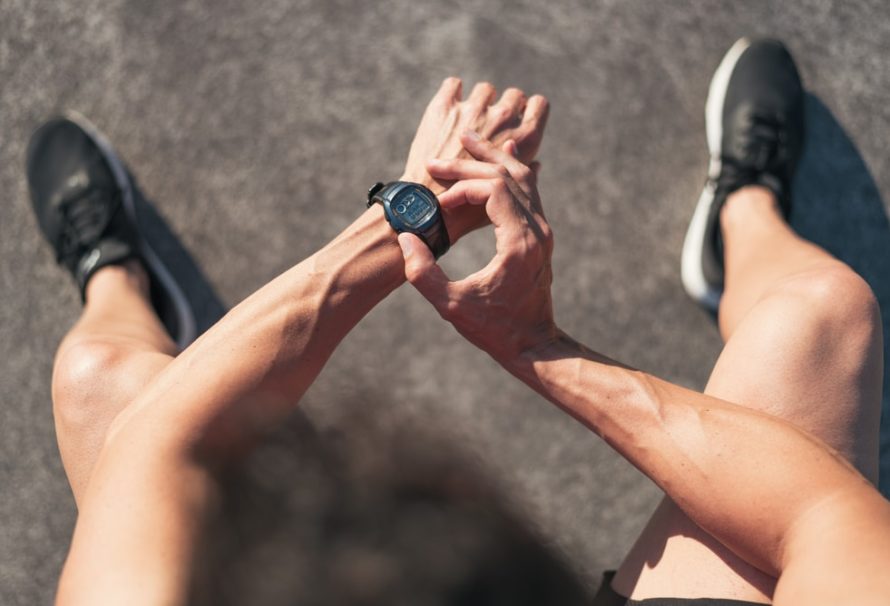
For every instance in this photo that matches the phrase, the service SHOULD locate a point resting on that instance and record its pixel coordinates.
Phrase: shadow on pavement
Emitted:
(838, 206)
(365, 515)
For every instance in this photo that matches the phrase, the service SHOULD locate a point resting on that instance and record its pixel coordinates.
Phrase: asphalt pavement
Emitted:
(255, 129)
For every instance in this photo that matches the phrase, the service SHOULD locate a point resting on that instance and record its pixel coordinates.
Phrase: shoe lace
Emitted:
(85, 215)
(763, 150)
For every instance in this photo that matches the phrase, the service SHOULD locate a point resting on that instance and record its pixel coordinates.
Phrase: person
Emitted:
(771, 499)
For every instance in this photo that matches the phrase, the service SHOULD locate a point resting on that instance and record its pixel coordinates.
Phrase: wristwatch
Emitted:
(412, 208)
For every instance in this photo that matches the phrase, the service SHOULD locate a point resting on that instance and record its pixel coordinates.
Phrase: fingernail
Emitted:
(471, 134)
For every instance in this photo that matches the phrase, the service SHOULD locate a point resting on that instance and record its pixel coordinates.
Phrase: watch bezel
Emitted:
(392, 191)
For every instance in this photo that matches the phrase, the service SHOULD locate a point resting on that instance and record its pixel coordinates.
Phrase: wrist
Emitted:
(413, 208)
(366, 255)
(423, 178)
(528, 363)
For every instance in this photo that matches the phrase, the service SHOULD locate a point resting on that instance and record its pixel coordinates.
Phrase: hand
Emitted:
(514, 123)
(506, 307)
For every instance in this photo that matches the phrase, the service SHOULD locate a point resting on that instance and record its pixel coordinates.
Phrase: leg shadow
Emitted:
(838, 206)
(367, 515)
(207, 305)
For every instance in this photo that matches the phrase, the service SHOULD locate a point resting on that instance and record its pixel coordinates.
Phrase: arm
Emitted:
(152, 485)
(770, 492)
(140, 521)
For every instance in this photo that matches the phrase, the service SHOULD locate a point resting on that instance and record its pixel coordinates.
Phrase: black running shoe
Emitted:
(84, 200)
(754, 119)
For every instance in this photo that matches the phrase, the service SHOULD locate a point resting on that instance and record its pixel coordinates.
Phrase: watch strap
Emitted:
(435, 236)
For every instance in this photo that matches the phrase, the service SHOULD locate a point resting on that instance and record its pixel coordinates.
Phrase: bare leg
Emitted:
(116, 347)
(803, 342)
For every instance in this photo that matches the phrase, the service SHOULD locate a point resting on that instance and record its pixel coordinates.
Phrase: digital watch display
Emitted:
(413, 208)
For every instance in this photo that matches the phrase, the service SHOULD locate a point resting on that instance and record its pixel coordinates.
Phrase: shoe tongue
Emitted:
(760, 145)
(87, 216)
(85, 211)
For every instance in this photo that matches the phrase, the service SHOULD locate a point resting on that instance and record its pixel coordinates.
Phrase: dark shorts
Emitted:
(606, 596)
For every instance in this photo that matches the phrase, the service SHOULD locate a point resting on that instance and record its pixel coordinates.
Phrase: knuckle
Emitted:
(412, 274)
(547, 236)
(502, 113)
(532, 243)
(500, 187)
(449, 309)
(415, 274)
(523, 174)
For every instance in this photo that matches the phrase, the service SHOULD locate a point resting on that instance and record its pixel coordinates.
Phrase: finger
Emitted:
(506, 113)
(513, 101)
(467, 191)
(482, 149)
(455, 169)
(449, 94)
(449, 91)
(511, 148)
(536, 168)
(500, 204)
(531, 131)
(537, 110)
(422, 271)
(481, 96)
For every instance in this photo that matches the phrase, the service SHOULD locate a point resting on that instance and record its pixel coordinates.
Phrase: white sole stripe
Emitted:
(691, 270)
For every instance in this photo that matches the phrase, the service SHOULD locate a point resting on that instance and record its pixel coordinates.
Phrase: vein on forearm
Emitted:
(255, 364)
(738, 473)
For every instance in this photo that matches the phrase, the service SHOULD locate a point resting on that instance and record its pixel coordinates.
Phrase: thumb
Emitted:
(422, 271)
(511, 148)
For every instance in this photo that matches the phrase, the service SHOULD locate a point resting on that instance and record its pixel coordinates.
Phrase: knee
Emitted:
(84, 377)
(839, 305)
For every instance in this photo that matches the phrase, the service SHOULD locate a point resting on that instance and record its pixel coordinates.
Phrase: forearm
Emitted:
(745, 477)
(251, 368)
(153, 483)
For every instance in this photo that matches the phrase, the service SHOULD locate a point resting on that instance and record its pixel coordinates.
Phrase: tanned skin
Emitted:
(775, 495)
(150, 485)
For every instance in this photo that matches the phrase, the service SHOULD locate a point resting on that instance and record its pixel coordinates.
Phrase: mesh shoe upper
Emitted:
(762, 121)
(76, 200)
(762, 127)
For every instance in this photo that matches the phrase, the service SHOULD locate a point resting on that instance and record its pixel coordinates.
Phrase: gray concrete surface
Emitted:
(257, 127)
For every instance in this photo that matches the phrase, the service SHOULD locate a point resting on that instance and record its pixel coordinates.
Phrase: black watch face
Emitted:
(412, 207)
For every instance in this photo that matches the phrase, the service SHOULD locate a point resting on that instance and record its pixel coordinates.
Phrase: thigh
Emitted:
(819, 370)
(810, 355)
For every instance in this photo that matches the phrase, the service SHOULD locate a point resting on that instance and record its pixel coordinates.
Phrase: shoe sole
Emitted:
(184, 316)
(692, 274)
